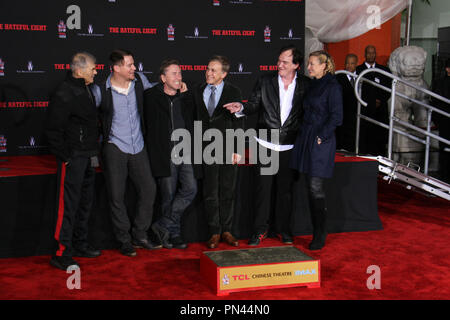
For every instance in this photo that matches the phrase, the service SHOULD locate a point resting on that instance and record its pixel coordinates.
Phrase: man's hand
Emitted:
(233, 107)
(377, 103)
(235, 158)
(184, 87)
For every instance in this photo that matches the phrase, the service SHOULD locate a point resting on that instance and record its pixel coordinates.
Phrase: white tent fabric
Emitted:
(338, 20)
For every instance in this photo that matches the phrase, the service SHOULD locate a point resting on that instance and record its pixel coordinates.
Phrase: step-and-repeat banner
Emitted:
(38, 38)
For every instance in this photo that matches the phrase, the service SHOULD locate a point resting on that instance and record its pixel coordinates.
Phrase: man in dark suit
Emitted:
(372, 138)
(277, 99)
(345, 134)
(166, 110)
(219, 175)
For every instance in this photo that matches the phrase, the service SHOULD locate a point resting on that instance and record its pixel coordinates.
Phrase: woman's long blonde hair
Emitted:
(324, 57)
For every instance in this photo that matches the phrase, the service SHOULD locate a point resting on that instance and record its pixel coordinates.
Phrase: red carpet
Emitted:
(13, 166)
(412, 252)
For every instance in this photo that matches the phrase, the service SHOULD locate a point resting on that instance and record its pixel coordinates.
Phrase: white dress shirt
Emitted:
(286, 97)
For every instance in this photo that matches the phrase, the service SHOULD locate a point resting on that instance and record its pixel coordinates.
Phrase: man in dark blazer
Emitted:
(373, 138)
(345, 134)
(219, 178)
(166, 110)
(277, 99)
(124, 152)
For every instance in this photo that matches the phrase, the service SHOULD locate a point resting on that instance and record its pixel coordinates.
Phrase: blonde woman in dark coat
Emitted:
(315, 146)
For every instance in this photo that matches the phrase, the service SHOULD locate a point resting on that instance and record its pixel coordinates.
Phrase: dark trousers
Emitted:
(177, 193)
(275, 191)
(118, 167)
(444, 165)
(372, 138)
(219, 184)
(75, 195)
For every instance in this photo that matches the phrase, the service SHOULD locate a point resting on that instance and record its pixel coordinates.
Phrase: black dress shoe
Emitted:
(318, 241)
(257, 238)
(162, 234)
(145, 244)
(127, 250)
(178, 243)
(63, 262)
(86, 252)
(286, 238)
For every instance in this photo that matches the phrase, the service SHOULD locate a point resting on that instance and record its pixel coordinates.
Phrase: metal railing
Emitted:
(392, 118)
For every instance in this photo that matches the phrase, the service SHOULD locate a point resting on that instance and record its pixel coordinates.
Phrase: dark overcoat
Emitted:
(322, 114)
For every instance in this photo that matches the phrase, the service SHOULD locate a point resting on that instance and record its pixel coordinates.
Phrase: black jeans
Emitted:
(118, 167)
(275, 191)
(75, 195)
(177, 193)
(219, 184)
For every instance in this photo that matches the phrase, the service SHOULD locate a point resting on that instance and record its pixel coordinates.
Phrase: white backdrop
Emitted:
(339, 20)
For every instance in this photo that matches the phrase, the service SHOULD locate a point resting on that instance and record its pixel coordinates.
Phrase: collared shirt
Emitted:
(376, 79)
(126, 131)
(349, 77)
(286, 97)
(218, 94)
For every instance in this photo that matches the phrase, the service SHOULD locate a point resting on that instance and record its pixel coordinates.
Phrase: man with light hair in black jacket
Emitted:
(72, 133)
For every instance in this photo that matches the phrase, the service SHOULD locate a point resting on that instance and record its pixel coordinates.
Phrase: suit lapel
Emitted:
(202, 110)
(296, 92)
(222, 98)
(276, 95)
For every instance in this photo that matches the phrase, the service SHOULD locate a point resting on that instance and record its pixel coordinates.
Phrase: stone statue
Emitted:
(408, 63)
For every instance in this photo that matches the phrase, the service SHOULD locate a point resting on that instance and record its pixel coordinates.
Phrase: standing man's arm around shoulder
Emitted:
(145, 83)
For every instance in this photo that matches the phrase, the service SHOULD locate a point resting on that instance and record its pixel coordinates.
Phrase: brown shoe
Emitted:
(213, 242)
(228, 238)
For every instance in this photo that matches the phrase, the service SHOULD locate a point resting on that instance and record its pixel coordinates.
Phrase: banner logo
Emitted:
(3, 143)
(290, 36)
(32, 145)
(241, 2)
(170, 32)
(196, 35)
(2, 68)
(142, 69)
(267, 32)
(91, 33)
(240, 70)
(30, 69)
(226, 279)
(62, 30)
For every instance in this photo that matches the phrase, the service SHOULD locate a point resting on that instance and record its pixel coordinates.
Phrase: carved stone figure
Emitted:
(408, 63)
